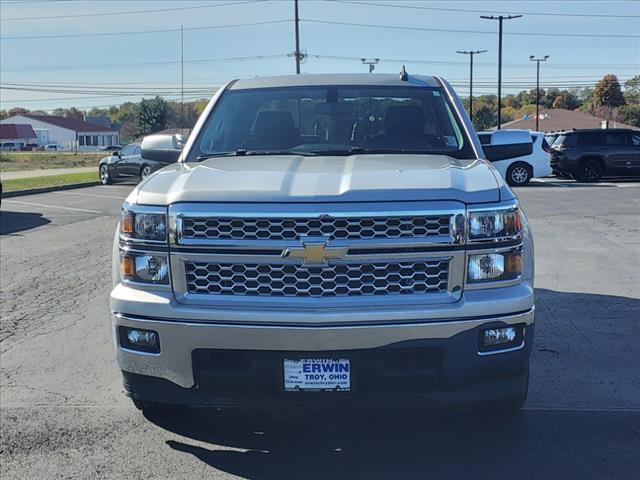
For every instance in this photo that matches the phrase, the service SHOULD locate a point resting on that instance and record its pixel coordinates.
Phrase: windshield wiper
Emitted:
(241, 152)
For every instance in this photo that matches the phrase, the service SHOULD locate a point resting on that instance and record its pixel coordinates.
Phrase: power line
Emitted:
(128, 12)
(140, 64)
(484, 64)
(142, 32)
(464, 10)
(482, 32)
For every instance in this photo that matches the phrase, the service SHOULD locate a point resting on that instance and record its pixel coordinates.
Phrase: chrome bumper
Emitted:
(178, 338)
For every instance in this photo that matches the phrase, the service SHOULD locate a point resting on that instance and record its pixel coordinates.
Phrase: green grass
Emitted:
(17, 161)
(49, 181)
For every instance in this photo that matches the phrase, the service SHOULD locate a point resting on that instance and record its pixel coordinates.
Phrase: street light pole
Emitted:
(500, 19)
(538, 60)
(297, 22)
(471, 53)
(372, 62)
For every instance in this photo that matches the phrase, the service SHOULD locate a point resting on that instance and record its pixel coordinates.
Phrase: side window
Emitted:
(591, 138)
(534, 139)
(616, 139)
(128, 150)
(635, 139)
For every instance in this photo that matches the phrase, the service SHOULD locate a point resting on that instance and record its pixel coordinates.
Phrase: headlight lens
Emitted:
(494, 266)
(144, 225)
(144, 268)
(494, 224)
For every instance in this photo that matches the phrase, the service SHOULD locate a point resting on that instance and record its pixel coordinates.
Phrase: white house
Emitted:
(69, 133)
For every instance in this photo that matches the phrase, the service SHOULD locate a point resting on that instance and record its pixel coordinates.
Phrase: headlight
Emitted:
(144, 223)
(494, 224)
(144, 268)
(494, 266)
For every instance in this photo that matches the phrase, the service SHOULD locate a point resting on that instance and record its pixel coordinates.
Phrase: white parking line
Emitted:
(88, 195)
(52, 206)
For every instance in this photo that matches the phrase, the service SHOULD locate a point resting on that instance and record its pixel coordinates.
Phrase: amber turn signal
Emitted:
(127, 225)
(127, 267)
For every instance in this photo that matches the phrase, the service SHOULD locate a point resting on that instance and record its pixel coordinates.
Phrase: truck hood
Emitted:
(354, 178)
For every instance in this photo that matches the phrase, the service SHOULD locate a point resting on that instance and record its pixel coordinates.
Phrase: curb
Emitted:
(33, 191)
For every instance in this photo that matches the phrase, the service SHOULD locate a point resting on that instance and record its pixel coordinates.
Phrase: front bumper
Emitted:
(443, 361)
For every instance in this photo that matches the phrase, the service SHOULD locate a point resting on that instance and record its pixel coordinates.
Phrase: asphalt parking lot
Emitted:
(63, 414)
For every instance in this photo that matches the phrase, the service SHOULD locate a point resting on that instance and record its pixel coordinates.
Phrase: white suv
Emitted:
(519, 170)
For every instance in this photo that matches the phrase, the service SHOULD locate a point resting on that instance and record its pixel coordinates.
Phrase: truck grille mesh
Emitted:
(342, 280)
(333, 228)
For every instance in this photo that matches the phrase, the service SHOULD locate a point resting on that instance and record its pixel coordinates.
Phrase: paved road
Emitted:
(46, 172)
(63, 414)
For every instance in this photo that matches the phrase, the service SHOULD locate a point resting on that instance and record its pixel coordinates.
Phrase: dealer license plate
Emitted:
(317, 375)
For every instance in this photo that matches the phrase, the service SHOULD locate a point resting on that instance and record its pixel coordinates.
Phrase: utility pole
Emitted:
(372, 62)
(538, 60)
(297, 22)
(471, 53)
(500, 19)
(182, 80)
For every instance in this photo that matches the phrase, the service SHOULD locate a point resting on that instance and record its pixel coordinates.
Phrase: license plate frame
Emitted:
(317, 375)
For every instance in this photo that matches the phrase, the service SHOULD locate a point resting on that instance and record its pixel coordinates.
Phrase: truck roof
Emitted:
(342, 79)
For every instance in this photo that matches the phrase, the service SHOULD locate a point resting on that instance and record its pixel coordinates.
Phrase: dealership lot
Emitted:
(63, 413)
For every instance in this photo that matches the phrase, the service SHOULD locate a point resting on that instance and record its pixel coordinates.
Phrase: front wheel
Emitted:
(518, 174)
(105, 176)
(588, 171)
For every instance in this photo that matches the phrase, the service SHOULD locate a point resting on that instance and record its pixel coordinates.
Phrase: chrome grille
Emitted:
(340, 280)
(334, 228)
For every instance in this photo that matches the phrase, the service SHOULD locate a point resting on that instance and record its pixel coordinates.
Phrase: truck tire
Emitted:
(519, 174)
(153, 407)
(507, 406)
(589, 170)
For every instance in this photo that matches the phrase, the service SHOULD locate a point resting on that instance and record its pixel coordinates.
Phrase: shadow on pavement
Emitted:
(14, 222)
(439, 444)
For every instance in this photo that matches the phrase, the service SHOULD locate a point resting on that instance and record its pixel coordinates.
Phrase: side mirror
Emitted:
(506, 144)
(162, 148)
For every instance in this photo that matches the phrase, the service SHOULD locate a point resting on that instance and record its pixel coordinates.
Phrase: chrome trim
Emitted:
(136, 352)
(504, 350)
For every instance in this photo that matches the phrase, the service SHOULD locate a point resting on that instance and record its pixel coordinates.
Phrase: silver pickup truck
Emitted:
(326, 240)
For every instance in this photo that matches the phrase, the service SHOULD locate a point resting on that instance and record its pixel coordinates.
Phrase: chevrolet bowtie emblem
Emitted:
(314, 252)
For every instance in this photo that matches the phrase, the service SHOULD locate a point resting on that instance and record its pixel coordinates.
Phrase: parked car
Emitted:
(10, 147)
(128, 163)
(29, 147)
(353, 251)
(54, 147)
(587, 155)
(111, 148)
(520, 170)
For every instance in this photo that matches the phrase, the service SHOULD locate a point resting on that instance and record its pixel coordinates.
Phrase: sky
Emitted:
(86, 53)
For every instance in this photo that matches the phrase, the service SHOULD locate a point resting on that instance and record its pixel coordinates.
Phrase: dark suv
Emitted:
(587, 155)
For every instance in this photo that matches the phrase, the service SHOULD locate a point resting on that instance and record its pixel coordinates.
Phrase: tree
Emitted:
(630, 114)
(152, 115)
(484, 115)
(608, 92)
(73, 112)
(3, 114)
(632, 90)
(17, 111)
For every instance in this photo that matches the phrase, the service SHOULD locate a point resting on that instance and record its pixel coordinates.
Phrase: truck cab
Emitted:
(325, 239)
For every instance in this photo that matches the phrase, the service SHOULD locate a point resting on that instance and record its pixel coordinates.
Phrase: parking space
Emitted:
(63, 412)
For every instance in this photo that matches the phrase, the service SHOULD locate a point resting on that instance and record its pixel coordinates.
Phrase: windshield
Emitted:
(559, 141)
(332, 121)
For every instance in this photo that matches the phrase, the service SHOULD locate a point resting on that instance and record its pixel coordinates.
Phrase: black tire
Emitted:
(507, 406)
(154, 407)
(145, 171)
(105, 175)
(589, 170)
(519, 174)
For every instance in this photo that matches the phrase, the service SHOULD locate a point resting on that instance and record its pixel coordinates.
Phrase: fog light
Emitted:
(501, 338)
(141, 340)
(497, 336)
